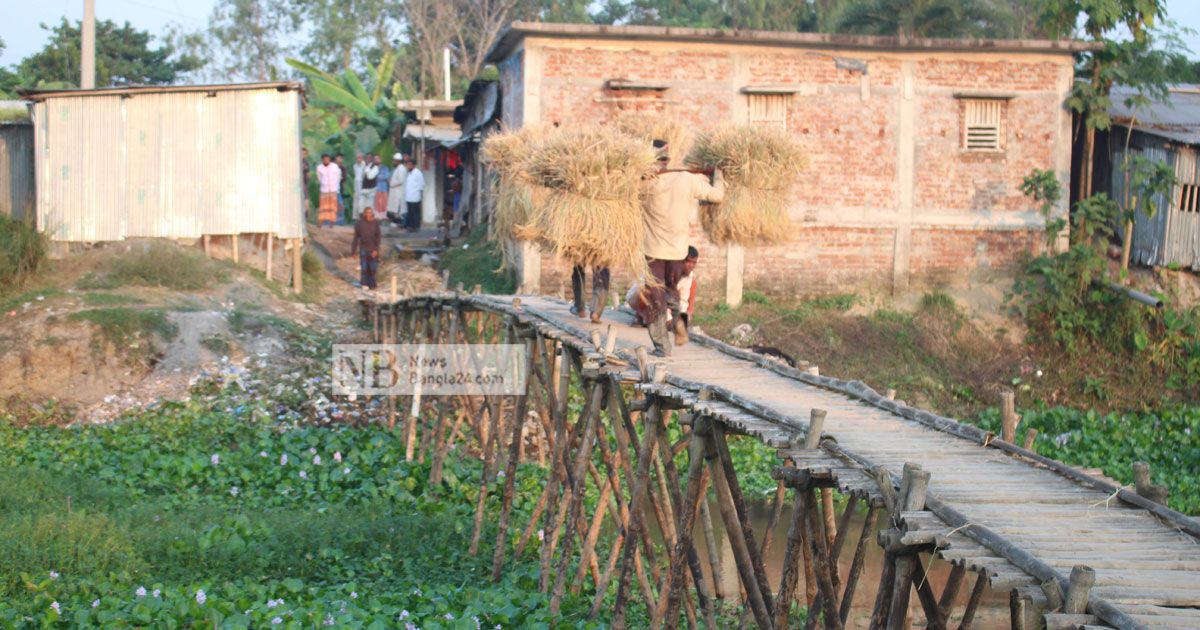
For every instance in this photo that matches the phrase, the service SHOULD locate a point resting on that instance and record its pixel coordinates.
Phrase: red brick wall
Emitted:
(849, 199)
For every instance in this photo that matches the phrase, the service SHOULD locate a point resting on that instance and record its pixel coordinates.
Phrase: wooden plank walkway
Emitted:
(1147, 564)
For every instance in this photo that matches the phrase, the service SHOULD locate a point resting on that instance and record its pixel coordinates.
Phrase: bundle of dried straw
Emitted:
(761, 167)
(592, 214)
(650, 126)
(516, 197)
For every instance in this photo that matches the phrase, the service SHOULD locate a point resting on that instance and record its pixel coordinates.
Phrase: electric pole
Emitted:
(87, 64)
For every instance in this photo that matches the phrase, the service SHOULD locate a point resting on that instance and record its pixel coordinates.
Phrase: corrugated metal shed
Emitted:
(1177, 119)
(170, 162)
(16, 169)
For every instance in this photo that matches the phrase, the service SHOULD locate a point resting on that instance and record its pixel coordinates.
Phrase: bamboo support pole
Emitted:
(579, 472)
(1008, 416)
(856, 564)
(270, 256)
(950, 590)
(744, 550)
(791, 562)
(510, 471)
(233, 244)
(968, 617)
(297, 266)
(633, 532)
(1082, 579)
(822, 567)
(929, 603)
(490, 446)
(428, 431)
(557, 468)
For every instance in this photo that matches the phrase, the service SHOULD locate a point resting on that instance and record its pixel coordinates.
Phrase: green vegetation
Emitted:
(478, 261)
(314, 276)
(108, 299)
(188, 500)
(128, 327)
(32, 296)
(1169, 440)
(1064, 303)
(22, 251)
(157, 264)
(13, 115)
(216, 344)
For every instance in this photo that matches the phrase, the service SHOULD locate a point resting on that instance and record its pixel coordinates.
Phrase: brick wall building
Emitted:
(916, 148)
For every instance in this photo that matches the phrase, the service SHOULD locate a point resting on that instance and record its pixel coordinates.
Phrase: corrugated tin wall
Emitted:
(16, 171)
(173, 165)
(1172, 235)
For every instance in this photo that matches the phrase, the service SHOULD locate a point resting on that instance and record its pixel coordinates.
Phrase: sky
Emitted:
(22, 36)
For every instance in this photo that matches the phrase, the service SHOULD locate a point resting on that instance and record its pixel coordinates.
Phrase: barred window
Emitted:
(982, 124)
(768, 110)
(1189, 197)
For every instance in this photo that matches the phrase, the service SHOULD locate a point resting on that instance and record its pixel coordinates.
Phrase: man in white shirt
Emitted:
(359, 165)
(396, 183)
(329, 175)
(369, 178)
(414, 191)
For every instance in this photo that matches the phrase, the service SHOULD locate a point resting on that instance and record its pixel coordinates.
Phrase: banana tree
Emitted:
(353, 115)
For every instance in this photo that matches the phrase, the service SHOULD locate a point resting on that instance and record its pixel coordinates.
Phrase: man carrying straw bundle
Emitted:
(672, 198)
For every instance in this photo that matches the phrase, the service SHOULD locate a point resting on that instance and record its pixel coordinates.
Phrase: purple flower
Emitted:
(140, 592)
(215, 459)
(57, 608)
(201, 597)
(283, 460)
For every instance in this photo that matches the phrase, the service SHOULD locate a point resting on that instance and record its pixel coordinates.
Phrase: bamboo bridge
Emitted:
(1069, 549)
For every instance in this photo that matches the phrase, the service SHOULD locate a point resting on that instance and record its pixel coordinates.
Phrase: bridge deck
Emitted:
(1147, 566)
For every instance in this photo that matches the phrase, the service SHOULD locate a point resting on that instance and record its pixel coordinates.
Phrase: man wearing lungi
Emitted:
(329, 176)
(674, 198)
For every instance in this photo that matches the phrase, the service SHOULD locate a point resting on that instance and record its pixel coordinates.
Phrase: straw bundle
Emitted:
(761, 167)
(648, 127)
(515, 196)
(592, 214)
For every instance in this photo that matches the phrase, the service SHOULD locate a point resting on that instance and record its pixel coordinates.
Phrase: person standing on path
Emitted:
(369, 180)
(329, 177)
(367, 237)
(414, 191)
(343, 204)
(359, 165)
(674, 197)
(396, 188)
(382, 186)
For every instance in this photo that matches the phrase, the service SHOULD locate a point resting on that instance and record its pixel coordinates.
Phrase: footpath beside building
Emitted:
(916, 147)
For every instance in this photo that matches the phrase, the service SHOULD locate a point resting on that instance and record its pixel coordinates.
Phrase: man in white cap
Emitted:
(396, 183)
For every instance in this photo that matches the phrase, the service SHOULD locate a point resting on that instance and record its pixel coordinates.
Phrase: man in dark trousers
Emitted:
(366, 243)
(674, 197)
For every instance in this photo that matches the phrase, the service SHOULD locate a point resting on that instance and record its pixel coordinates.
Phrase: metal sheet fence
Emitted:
(169, 165)
(16, 171)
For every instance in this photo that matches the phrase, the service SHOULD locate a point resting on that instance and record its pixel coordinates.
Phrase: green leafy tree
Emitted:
(1131, 49)
(356, 115)
(124, 56)
(251, 37)
(343, 33)
(925, 18)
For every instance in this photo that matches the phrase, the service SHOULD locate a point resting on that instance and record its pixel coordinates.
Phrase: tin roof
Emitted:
(1176, 119)
(517, 31)
(282, 86)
